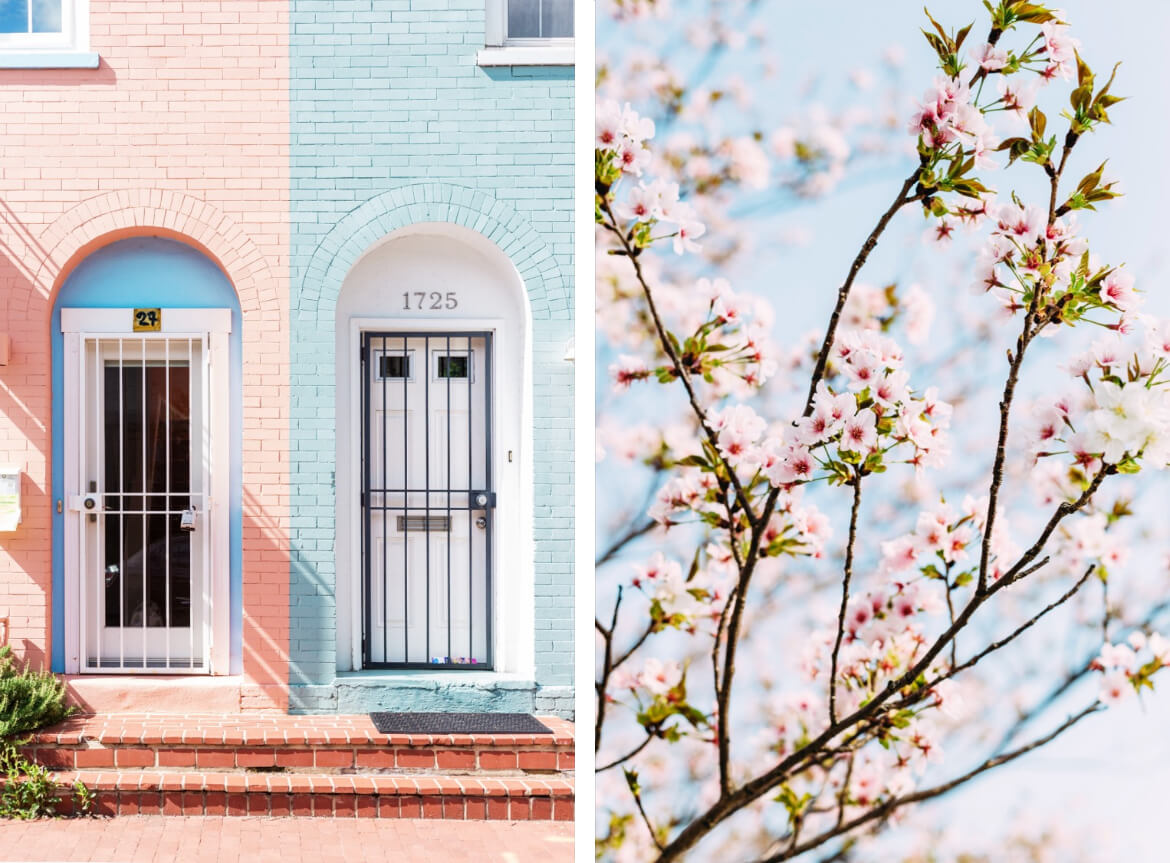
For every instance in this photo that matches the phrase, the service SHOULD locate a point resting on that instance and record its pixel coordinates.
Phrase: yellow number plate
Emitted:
(147, 320)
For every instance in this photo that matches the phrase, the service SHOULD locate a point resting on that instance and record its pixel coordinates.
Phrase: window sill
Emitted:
(49, 60)
(516, 55)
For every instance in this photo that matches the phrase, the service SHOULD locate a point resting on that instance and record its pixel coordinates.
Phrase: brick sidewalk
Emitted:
(283, 840)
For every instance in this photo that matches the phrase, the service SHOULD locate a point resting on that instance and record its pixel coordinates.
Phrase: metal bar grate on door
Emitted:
(427, 500)
(144, 601)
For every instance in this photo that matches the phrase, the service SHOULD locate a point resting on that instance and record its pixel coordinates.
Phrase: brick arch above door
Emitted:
(366, 225)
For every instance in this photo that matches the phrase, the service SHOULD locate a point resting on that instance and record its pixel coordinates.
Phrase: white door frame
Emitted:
(214, 325)
(513, 596)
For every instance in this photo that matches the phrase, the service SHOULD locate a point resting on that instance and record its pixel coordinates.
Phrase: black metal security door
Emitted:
(427, 500)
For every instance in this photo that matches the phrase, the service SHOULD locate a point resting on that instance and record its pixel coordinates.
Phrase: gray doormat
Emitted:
(458, 723)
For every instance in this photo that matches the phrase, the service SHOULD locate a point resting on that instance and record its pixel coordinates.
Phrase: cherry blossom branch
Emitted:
(632, 781)
(902, 199)
(1015, 362)
(735, 800)
(888, 808)
(606, 669)
(849, 546)
(1070, 680)
(681, 371)
(609, 664)
(1016, 633)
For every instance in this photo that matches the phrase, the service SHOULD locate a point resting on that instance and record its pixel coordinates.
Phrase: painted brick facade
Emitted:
(283, 139)
(394, 123)
(182, 132)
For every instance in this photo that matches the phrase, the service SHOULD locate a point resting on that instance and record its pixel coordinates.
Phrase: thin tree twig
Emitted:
(606, 668)
(885, 809)
(625, 539)
(849, 547)
(627, 756)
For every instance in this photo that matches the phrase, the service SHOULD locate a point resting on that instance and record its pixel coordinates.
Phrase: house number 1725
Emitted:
(427, 300)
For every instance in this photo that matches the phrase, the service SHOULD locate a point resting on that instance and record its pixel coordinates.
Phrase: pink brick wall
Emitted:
(183, 128)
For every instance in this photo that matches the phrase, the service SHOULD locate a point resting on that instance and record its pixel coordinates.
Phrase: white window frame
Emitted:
(502, 51)
(67, 49)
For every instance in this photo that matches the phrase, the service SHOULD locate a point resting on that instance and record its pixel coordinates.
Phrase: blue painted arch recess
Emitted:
(138, 273)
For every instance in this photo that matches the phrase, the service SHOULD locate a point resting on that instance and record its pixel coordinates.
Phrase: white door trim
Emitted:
(215, 325)
(513, 602)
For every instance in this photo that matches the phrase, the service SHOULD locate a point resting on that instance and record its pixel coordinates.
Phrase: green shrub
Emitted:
(30, 700)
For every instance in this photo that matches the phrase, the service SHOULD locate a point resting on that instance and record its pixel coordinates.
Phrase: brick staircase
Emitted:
(327, 766)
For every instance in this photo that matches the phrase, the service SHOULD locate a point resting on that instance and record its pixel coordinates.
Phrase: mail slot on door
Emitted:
(9, 498)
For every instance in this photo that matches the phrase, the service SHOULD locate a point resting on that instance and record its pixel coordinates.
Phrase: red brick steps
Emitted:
(335, 766)
(462, 798)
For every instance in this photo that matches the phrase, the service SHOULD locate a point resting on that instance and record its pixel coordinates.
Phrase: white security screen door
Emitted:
(427, 499)
(144, 430)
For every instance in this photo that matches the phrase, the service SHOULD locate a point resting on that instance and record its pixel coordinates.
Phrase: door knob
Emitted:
(481, 522)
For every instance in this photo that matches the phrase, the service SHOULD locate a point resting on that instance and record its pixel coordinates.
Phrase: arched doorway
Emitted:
(146, 461)
(434, 457)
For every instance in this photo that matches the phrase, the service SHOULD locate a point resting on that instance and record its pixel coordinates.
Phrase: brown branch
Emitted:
(1016, 633)
(849, 546)
(732, 802)
(642, 811)
(606, 667)
(627, 756)
(681, 371)
(904, 197)
(1027, 333)
(885, 809)
(622, 541)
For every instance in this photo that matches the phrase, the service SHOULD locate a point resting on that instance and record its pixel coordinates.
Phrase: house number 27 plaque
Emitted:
(147, 320)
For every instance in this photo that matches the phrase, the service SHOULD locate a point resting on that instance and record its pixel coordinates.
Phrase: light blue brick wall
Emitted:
(394, 123)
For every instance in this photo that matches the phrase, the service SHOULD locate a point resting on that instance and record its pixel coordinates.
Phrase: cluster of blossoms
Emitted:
(620, 145)
(1122, 417)
(677, 599)
(947, 116)
(729, 347)
(942, 543)
(1127, 668)
(1025, 254)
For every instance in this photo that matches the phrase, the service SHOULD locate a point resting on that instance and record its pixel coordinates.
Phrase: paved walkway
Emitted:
(283, 840)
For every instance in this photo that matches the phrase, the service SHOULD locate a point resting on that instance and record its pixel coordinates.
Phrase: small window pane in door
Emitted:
(453, 366)
(394, 366)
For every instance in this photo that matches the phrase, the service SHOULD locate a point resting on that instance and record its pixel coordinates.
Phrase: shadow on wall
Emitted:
(25, 561)
(103, 75)
(26, 300)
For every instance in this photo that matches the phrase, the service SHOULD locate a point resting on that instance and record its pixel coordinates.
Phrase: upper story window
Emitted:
(45, 34)
(543, 20)
(528, 32)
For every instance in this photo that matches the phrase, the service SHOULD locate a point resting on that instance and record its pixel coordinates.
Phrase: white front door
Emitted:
(145, 417)
(427, 499)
